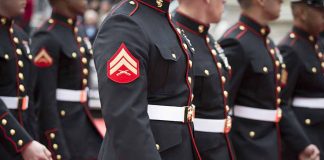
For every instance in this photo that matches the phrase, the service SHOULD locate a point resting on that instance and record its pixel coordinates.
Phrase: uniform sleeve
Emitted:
(12, 135)
(238, 61)
(46, 62)
(291, 130)
(124, 105)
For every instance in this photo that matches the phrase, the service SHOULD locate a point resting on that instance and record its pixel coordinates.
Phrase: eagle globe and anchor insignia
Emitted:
(123, 67)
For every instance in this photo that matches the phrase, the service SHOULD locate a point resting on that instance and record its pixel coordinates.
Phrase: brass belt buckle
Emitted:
(190, 113)
(278, 115)
(228, 125)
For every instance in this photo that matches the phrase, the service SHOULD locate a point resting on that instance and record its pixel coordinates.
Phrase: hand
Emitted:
(311, 152)
(36, 151)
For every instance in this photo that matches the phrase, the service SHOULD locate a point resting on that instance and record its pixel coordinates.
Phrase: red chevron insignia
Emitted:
(43, 59)
(123, 67)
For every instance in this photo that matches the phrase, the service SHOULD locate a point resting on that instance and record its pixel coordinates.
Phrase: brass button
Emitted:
(52, 135)
(4, 122)
(70, 21)
(85, 81)
(82, 49)
(311, 38)
(207, 39)
(206, 72)
(214, 52)
(272, 51)
(51, 21)
(62, 113)
(190, 63)
(20, 63)
(277, 63)
(292, 35)
(322, 64)
(308, 121)
(55, 146)
(263, 31)
(11, 30)
(91, 51)
(85, 71)
(219, 65)
(58, 157)
(242, 27)
(265, 69)
(278, 89)
(223, 79)
(20, 142)
(320, 55)
(84, 60)
(76, 29)
(74, 55)
(185, 46)
(79, 39)
(278, 101)
(283, 66)
(19, 52)
(227, 108)
(189, 80)
(21, 76)
(252, 134)
(201, 28)
(12, 132)
(22, 88)
(132, 2)
(174, 56)
(157, 146)
(3, 21)
(6, 56)
(278, 76)
(30, 57)
(178, 30)
(316, 46)
(268, 41)
(16, 40)
(192, 97)
(225, 94)
(314, 70)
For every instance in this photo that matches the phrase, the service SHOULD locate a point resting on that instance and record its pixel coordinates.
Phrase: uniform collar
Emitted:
(257, 27)
(4, 21)
(190, 24)
(64, 19)
(302, 33)
(159, 5)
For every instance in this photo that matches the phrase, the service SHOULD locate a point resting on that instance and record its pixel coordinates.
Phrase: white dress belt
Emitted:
(68, 95)
(303, 102)
(13, 102)
(257, 113)
(213, 125)
(170, 113)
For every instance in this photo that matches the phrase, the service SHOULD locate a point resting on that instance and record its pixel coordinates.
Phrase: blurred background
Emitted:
(38, 11)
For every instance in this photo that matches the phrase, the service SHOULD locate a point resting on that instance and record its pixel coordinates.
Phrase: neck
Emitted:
(256, 15)
(302, 26)
(194, 12)
(64, 11)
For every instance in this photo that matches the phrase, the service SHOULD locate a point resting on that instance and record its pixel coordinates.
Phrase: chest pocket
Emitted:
(167, 69)
(205, 69)
(312, 68)
(171, 54)
(262, 67)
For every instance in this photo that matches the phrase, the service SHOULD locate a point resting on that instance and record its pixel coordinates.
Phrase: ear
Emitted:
(260, 2)
(303, 12)
(207, 1)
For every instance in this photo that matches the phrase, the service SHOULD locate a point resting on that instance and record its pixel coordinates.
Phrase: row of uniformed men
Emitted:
(43, 87)
(156, 73)
(145, 78)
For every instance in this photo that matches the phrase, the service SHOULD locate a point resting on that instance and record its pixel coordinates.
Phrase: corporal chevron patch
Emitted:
(43, 59)
(123, 67)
